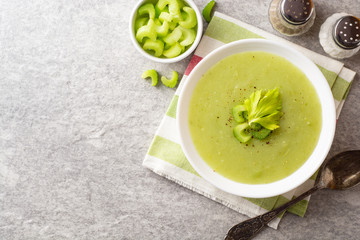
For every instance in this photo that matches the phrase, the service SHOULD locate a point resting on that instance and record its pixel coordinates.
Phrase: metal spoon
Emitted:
(341, 172)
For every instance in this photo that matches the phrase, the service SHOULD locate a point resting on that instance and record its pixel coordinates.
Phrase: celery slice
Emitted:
(188, 36)
(237, 112)
(157, 46)
(261, 134)
(172, 25)
(152, 74)
(146, 31)
(240, 134)
(174, 7)
(141, 22)
(170, 82)
(181, 4)
(207, 10)
(162, 29)
(173, 51)
(173, 37)
(190, 21)
(167, 46)
(147, 8)
(164, 16)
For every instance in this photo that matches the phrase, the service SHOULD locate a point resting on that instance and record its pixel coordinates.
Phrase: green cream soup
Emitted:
(229, 83)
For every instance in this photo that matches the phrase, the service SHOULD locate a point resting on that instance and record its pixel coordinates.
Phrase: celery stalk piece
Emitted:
(152, 74)
(207, 10)
(147, 8)
(177, 17)
(181, 4)
(167, 46)
(162, 29)
(173, 37)
(173, 51)
(146, 31)
(141, 22)
(172, 25)
(157, 46)
(188, 36)
(174, 7)
(164, 16)
(190, 21)
(170, 82)
(240, 134)
(237, 112)
(261, 134)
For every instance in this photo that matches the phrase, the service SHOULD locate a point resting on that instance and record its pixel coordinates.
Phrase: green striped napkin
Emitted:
(165, 156)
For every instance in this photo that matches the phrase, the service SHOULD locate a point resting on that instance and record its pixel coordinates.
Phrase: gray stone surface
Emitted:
(76, 120)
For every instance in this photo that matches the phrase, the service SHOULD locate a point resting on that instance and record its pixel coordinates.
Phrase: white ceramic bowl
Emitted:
(166, 60)
(312, 163)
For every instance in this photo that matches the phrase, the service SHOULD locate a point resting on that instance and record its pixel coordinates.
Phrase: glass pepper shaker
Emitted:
(292, 17)
(340, 35)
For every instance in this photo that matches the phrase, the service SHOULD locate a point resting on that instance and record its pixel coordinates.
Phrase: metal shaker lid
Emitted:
(346, 32)
(296, 12)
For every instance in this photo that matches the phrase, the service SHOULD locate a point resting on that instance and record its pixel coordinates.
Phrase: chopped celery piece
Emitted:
(152, 74)
(207, 10)
(167, 46)
(173, 51)
(246, 115)
(157, 46)
(147, 8)
(177, 17)
(140, 22)
(162, 29)
(240, 134)
(237, 112)
(188, 36)
(173, 5)
(170, 82)
(261, 134)
(164, 16)
(146, 31)
(181, 4)
(172, 25)
(173, 37)
(190, 21)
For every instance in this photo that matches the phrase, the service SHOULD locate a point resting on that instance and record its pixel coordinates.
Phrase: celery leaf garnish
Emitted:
(261, 108)
(265, 109)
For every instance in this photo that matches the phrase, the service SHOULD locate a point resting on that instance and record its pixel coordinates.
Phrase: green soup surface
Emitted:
(229, 83)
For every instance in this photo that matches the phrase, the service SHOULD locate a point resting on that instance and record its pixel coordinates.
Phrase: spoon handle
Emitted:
(249, 228)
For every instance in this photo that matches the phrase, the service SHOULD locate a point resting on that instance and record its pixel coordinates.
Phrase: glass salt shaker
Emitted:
(292, 17)
(340, 35)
